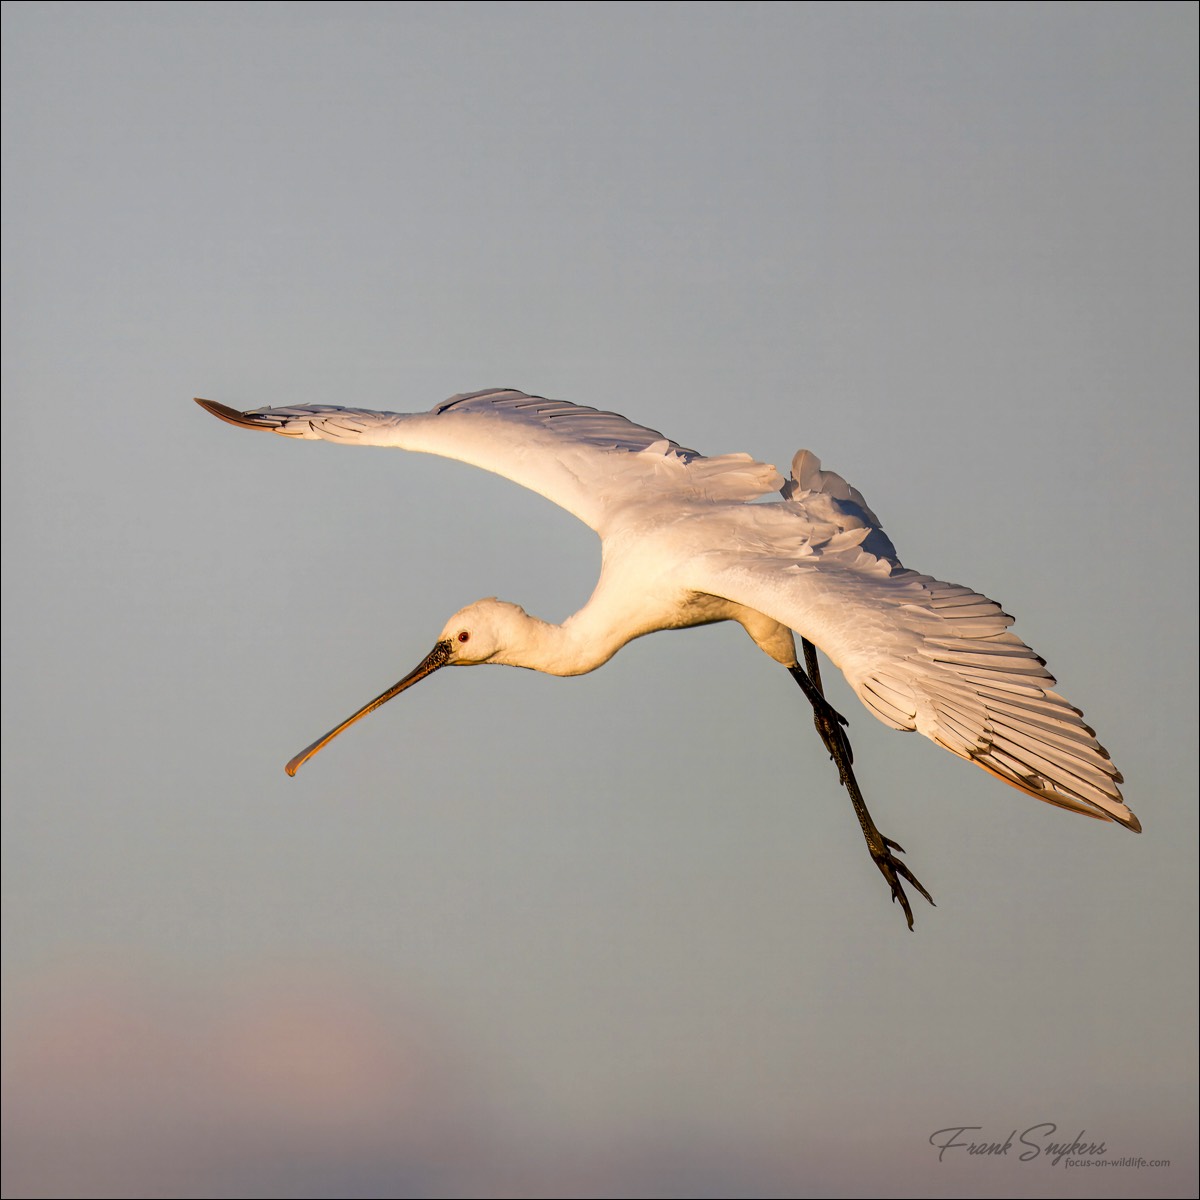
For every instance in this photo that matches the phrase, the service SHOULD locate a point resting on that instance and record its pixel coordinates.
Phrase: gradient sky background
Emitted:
(615, 935)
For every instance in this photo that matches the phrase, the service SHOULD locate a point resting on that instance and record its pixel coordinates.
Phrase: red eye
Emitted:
(464, 636)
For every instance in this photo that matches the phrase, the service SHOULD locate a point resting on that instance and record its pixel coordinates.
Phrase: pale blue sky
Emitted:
(520, 935)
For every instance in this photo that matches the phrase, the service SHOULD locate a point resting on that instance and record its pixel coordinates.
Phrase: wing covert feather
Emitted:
(587, 461)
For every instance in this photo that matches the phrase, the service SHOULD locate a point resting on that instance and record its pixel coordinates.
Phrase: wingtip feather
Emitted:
(224, 413)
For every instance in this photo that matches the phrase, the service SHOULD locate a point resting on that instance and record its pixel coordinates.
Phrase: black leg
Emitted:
(831, 726)
(829, 722)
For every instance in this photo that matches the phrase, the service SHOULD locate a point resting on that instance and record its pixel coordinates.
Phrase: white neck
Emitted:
(580, 644)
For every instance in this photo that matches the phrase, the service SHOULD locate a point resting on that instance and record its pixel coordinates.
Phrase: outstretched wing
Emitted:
(589, 462)
(920, 654)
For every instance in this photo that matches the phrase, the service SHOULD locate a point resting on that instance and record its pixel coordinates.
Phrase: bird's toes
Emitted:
(894, 870)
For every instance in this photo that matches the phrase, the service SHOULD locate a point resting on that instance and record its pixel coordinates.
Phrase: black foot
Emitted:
(831, 725)
(893, 870)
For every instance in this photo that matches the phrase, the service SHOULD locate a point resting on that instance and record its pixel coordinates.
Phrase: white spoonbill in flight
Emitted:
(683, 545)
